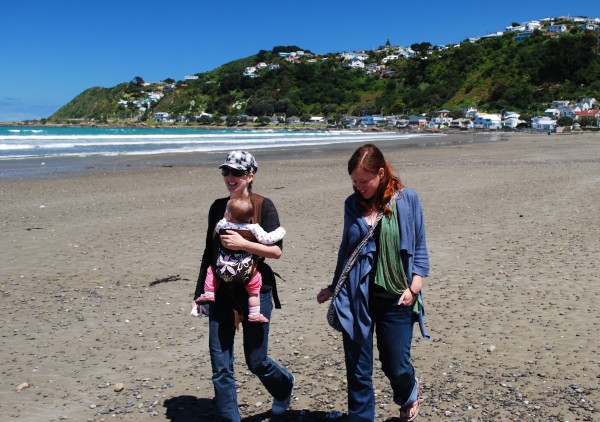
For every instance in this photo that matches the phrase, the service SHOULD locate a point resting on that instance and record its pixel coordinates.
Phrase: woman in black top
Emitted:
(238, 172)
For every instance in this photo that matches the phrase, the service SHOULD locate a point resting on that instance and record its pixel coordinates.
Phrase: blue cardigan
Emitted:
(352, 302)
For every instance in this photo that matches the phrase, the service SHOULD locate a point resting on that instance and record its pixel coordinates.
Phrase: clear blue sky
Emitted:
(53, 50)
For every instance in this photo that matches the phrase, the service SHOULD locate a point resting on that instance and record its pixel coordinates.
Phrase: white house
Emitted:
(293, 120)
(406, 52)
(162, 116)
(356, 64)
(518, 28)
(461, 123)
(373, 120)
(557, 28)
(512, 122)
(250, 71)
(470, 112)
(543, 123)
(390, 57)
(523, 35)
(533, 25)
(487, 121)
(552, 113)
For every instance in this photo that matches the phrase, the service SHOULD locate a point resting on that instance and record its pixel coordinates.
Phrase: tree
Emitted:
(138, 81)
(421, 48)
(564, 121)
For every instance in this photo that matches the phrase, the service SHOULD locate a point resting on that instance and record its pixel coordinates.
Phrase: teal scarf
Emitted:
(390, 272)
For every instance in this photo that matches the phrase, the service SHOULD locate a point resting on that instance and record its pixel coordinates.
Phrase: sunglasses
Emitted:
(226, 171)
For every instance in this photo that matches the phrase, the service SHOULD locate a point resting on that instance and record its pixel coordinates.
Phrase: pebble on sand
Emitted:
(119, 387)
(22, 386)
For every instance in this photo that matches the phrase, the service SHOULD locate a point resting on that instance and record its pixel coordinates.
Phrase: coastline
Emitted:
(56, 167)
(99, 267)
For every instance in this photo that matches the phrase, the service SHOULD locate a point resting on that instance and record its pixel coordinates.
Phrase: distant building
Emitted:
(487, 121)
(162, 116)
(543, 123)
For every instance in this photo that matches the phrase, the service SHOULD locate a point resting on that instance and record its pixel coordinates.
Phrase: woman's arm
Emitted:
(214, 214)
(234, 241)
(269, 222)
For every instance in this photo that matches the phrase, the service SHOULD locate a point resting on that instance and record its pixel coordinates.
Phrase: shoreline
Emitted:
(58, 167)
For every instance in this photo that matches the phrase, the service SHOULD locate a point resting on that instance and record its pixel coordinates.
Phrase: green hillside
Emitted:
(492, 74)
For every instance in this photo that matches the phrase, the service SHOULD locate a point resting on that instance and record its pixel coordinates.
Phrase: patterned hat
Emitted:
(240, 160)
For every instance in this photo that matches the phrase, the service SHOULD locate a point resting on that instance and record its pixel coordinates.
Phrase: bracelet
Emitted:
(412, 293)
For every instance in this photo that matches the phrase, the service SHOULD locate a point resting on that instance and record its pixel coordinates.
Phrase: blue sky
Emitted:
(52, 51)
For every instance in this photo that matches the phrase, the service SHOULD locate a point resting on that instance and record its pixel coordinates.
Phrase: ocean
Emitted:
(29, 147)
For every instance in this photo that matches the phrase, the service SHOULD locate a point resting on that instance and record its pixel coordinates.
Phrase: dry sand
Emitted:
(98, 270)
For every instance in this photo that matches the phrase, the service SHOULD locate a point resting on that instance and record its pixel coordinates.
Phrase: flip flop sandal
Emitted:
(416, 405)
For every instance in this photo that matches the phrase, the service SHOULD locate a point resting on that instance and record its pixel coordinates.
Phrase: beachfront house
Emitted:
(293, 120)
(487, 121)
(162, 116)
(543, 123)
(440, 119)
(417, 121)
(593, 114)
(461, 123)
(373, 120)
(317, 120)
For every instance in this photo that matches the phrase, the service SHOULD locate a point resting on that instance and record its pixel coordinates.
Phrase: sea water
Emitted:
(39, 142)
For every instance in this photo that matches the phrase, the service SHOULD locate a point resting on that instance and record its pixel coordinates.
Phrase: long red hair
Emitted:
(369, 158)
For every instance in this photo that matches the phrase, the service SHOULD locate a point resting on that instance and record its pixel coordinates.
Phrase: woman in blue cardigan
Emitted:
(382, 293)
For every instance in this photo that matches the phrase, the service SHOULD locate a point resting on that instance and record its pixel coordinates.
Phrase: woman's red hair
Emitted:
(369, 158)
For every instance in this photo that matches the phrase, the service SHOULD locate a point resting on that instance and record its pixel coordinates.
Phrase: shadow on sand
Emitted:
(194, 409)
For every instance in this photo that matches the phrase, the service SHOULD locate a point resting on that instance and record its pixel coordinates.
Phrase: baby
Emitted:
(239, 267)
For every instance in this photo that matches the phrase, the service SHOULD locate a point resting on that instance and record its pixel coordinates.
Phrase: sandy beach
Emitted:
(98, 270)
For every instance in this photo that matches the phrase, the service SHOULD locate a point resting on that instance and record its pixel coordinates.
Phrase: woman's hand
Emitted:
(407, 298)
(324, 295)
(234, 241)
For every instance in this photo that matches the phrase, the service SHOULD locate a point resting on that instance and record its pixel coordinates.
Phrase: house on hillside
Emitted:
(470, 112)
(557, 28)
(521, 36)
(356, 64)
(553, 113)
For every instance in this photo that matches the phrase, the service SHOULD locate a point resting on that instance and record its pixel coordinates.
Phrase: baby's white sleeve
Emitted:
(266, 238)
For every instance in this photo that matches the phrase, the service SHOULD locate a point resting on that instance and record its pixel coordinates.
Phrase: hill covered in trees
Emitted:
(492, 74)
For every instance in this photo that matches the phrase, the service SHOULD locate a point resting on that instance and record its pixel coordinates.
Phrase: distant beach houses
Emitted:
(378, 61)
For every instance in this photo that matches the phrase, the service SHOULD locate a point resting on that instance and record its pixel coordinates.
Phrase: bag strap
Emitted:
(257, 201)
(352, 258)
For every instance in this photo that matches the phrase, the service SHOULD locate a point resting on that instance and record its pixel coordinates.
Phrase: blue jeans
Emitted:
(393, 325)
(276, 379)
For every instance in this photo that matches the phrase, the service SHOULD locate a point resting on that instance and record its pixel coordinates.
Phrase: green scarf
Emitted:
(390, 272)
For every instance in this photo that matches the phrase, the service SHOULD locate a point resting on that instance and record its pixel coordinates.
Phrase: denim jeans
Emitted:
(393, 325)
(276, 379)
